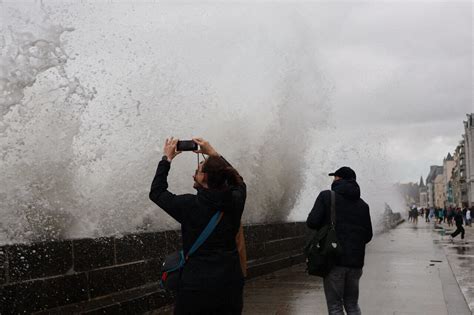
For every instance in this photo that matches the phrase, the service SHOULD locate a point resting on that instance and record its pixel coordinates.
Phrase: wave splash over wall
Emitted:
(84, 111)
(40, 109)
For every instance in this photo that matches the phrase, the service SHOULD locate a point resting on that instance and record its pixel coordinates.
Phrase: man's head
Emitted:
(344, 172)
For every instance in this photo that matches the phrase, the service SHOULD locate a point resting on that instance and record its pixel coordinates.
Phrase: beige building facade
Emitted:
(439, 191)
(423, 194)
(435, 170)
(448, 166)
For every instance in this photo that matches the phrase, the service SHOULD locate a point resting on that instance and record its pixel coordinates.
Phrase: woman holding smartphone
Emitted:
(212, 279)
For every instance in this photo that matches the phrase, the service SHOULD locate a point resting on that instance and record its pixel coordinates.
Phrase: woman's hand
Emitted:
(205, 147)
(170, 149)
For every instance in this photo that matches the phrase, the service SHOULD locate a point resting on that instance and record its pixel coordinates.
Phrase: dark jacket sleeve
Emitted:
(368, 224)
(317, 216)
(160, 195)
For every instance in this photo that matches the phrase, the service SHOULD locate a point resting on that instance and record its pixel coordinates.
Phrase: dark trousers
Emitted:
(341, 287)
(459, 229)
(226, 301)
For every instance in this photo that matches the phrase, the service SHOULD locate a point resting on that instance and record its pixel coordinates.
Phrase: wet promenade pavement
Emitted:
(409, 270)
(461, 259)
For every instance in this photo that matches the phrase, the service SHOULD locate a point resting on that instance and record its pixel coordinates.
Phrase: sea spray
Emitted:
(80, 147)
(38, 126)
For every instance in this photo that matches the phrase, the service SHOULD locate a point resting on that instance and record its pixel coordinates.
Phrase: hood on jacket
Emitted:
(347, 187)
(214, 198)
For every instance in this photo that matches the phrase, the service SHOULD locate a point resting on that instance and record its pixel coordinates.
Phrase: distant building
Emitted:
(459, 186)
(435, 170)
(423, 194)
(448, 165)
(409, 192)
(453, 183)
(469, 158)
(439, 193)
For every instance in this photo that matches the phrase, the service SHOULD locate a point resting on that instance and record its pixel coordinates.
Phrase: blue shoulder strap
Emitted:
(205, 234)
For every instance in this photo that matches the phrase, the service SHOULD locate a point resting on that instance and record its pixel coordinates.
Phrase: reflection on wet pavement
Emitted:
(406, 272)
(288, 291)
(411, 270)
(460, 254)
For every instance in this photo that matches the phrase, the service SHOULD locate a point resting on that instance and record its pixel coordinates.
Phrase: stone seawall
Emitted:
(119, 275)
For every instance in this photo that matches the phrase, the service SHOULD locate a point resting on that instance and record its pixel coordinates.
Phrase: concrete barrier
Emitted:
(119, 274)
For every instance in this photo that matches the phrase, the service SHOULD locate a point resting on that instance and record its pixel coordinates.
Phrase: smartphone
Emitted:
(187, 145)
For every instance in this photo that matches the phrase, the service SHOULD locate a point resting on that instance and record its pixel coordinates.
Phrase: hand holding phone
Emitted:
(170, 148)
(205, 147)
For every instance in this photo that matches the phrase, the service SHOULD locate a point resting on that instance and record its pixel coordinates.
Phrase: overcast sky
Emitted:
(404, 68)
(399, 69)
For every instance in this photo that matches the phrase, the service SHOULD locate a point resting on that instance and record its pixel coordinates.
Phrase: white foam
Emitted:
(85, 110)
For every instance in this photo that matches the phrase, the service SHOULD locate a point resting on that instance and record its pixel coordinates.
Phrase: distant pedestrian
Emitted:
(459, 229)
(468, 217)
(464, 212)
(427, 216)
(415, 215)
(440, 216)
(353, 231)
(450, 215)
(432, 213)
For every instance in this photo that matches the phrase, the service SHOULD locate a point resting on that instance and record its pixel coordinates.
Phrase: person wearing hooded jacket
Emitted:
(458, 219)
(353, 231)
(212, 279)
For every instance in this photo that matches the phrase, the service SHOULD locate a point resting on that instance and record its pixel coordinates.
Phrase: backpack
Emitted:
(323, 248)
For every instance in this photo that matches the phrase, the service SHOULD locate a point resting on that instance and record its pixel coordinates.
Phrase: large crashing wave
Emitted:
(75, 166)
(85, 110)
(40, 113)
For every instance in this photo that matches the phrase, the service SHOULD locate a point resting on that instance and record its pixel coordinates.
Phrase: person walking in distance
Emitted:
(427, 215)
(440, 216)
(464, 212)
(450, 216)
(458, 219)
(415, 215)
(353, 230)
(468, 217)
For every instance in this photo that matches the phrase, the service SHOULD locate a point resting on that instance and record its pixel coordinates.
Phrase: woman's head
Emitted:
(215, 173)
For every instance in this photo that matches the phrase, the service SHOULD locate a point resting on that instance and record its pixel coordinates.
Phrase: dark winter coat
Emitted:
(458, 218)
(216, 263)
(353, 225)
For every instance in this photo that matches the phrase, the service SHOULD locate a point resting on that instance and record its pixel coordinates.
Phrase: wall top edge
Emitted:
(121, 236)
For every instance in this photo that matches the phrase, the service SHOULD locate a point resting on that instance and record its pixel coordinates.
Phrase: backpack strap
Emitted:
(205, 234)
(333, 208)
